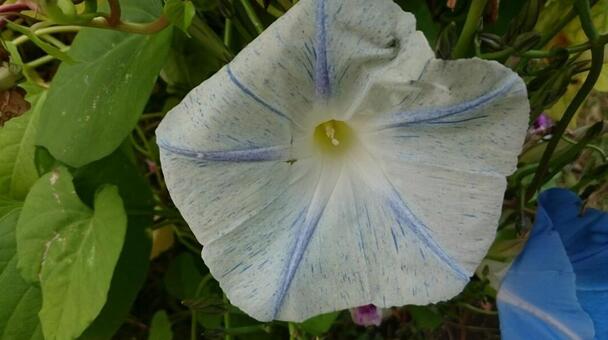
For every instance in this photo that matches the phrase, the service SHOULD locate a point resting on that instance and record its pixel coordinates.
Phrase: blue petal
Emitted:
(585, 238)
(537, 299)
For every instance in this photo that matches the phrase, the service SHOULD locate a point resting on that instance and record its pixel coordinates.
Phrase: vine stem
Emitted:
(255, 20)
(115, 12)
(228, 29)
(227, 319)
(535, 54)
(203, 33)
(46, 30)
(130, 27)
(470, 27)
(597, 62)
(13, 7)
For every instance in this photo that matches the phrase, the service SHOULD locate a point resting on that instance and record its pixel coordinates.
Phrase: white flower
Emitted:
(336, 163)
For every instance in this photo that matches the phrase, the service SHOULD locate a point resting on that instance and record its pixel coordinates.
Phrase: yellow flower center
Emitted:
(333, 136)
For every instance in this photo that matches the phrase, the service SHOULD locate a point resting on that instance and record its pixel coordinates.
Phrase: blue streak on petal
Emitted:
(305, 226)
(405, 217)
(459, 120)
(435, 115)
(322, 84)
(255, 97)
(262, 154)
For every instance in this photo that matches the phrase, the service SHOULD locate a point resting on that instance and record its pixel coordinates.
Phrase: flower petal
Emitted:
(366, 40)
(220, 121)
(327, 51)
(369, 247)
(537, 299)
(451, 118)
(585, 238)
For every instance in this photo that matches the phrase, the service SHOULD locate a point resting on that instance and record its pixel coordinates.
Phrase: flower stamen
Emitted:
(331, 133)
(333, 136)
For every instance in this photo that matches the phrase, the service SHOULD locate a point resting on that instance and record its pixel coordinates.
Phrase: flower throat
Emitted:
(333, 137)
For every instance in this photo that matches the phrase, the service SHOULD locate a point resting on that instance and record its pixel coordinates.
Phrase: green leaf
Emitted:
(96, 102)
(189, 64)
(20, 300)
(17, 169)
(424, 18)
(206, 5)
(70, 249)
(183, 276)
(130, 273)
(319, 324)
(425, 317)
(180, 13)
(7, 205)
(160, 329)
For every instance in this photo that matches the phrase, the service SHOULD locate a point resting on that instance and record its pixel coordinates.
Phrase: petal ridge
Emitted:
(509, 298)
(322, 82)
(259, 154)
(255, 97)
(435, 115)
(308, 221)
(405, 215)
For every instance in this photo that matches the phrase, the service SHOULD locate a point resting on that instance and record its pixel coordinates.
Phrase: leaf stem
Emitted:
(534, 54)
(115, 12)
(228, 29)
(253, 16)
(8, 8)
(46, 31)
(130, 27)
(583, 8)
(203, 33)
(463, 45)
(592, 147)
(292, 331)
(226, 319)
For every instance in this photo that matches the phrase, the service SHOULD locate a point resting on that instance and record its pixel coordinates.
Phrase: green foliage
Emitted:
(319, 324)
(108, 87)
(17, 169)
(70, 249)
(160, 329)
(131, 269)
(424, 317)
(180, 13)
(189, 63)
(21, 300)
(183, 276)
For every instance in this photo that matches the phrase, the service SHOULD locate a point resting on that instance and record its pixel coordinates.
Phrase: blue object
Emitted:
(557, 288)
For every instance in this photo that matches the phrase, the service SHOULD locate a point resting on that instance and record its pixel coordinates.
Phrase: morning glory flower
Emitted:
(336, 163)
(368, 315)
(557, 288)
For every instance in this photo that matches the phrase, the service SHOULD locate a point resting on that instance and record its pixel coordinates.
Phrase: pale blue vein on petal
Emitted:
(322, 83)
(434, 115)
(406, 218)
(262, 154)
(459, 120)
(253, 96)
(306, 228)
